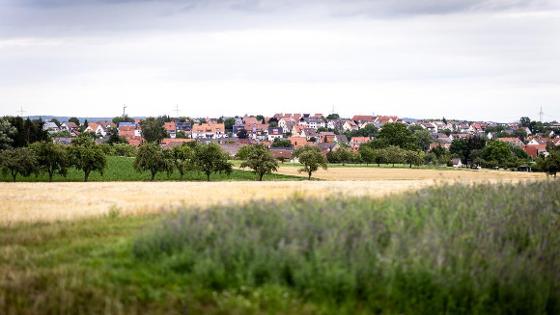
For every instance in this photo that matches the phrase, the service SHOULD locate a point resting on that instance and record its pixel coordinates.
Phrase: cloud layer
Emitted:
(466, 59)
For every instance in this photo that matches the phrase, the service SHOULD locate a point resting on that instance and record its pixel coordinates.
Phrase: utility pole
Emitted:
(124, 110)
(541, 114)
(21, 111)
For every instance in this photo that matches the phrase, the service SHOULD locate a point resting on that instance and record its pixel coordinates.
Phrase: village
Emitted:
(285, 132)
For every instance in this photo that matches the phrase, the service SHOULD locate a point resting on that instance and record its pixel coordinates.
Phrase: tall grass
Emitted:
(492, 249)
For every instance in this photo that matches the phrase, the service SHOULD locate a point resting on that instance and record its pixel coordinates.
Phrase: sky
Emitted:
(465, 59)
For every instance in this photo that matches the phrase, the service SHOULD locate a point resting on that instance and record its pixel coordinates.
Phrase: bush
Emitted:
(452, 249)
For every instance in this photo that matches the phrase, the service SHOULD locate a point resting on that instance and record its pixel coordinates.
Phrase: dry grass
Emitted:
(384, 173)
(30, 202)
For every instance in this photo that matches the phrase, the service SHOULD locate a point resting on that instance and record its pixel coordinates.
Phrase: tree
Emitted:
(396, 134)
(549, 164)
(311, 158)
(51, 158)
(84, 126)
(7, 131)
(258, 158)
(183, 158)
(18, 161)
(152, 129)
(242, 134)
(28, 131)
(260, 118)
(333, 116)
(441, 155)
(151, 157)
(119, 119)
(414, 157)
(463, 148)
(273, 122)
(210, 158)
(340, 155)
(423, 139)
(74, 120)
(113, 136)
(367, 154)
(281, 143)
(88, 157)
(228, 124)
(525, 122)
(395, 154)
(497, 154)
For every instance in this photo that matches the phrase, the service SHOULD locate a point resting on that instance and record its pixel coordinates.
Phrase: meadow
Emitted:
(459, 249)
(121, 169)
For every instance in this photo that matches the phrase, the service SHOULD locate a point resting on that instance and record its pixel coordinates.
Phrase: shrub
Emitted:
(452, 249)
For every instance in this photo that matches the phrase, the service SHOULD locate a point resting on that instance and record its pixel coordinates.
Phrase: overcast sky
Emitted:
(490, 60)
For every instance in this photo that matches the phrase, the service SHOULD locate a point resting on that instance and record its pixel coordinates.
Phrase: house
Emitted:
(71, 127)
(316, 122)
(275, 133)
(131, 132)
(513, 141)
(327, 137)
(231, 147)
(298, 141)
(335, 124)
(183, 126)
(168, 143)
(356, 142)
(282, 153)
(50, 127)
(310, 134)
(456, 163)
(360, 119)
(350, 125)
(341, 140)
(98, 128)
(208, 131)
(171, 129)
(382, 120)
(534, 150)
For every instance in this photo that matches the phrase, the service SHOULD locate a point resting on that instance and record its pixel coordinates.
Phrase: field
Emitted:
(482, 248)
(121, 169)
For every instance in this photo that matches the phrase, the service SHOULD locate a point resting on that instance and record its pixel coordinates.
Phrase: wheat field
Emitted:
(39, 202)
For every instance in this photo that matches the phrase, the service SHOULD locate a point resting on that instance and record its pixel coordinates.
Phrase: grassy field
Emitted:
(389, 173)
(32, 202)
(121, 169)
(486, 249)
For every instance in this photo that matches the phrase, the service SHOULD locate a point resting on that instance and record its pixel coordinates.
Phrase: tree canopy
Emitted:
(210, 158)
(258, 158)
(311, 158)
(151, 157)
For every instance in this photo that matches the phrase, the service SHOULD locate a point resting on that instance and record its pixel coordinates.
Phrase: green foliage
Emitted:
(228, 124)
(7, 132)
(394, 155)
(311, 158)
(119, 119)
(260, 118)
(86, 156)
(414, 157)
(549, 164)
(396, 134)
(152, 129)
(210, 158)
(151, 157)
(28, 131)
(281, 143)
(74, 120)
(258, 158)
(18, 161)
(183, 157)
(341, 155)
(51, 158)
(113, 136)
(498, 154)
(481, 249)
(367, 131)
(333, 116)
(464, 148)
(367, 154)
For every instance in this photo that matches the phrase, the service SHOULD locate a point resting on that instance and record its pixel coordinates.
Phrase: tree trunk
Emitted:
(153, 175)
(86, 176)
(50, 175)
(207, 176)
(309, 177)
(261, 177)
(14, 175)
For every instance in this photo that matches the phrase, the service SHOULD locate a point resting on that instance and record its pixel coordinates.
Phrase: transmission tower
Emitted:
(124, 110)
(540, 115)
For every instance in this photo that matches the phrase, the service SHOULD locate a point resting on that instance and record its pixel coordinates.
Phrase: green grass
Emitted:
(121, 169)
(483, 249)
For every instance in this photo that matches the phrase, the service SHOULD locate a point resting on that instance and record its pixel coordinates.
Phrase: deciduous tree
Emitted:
(258, 158)
(18, 161)
(210, 158)
(151, 157)
(311, 158)
(52, 158)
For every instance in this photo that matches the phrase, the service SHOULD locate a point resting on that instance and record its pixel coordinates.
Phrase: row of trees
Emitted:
(47, 157)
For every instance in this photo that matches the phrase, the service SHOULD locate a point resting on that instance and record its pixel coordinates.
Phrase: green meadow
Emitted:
(122, 169)
(476, 249)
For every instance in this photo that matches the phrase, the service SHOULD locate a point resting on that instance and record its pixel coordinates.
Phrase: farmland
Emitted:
(485, 248)
(121, 169)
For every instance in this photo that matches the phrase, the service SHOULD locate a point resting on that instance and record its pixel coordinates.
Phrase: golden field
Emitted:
(30, 202)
